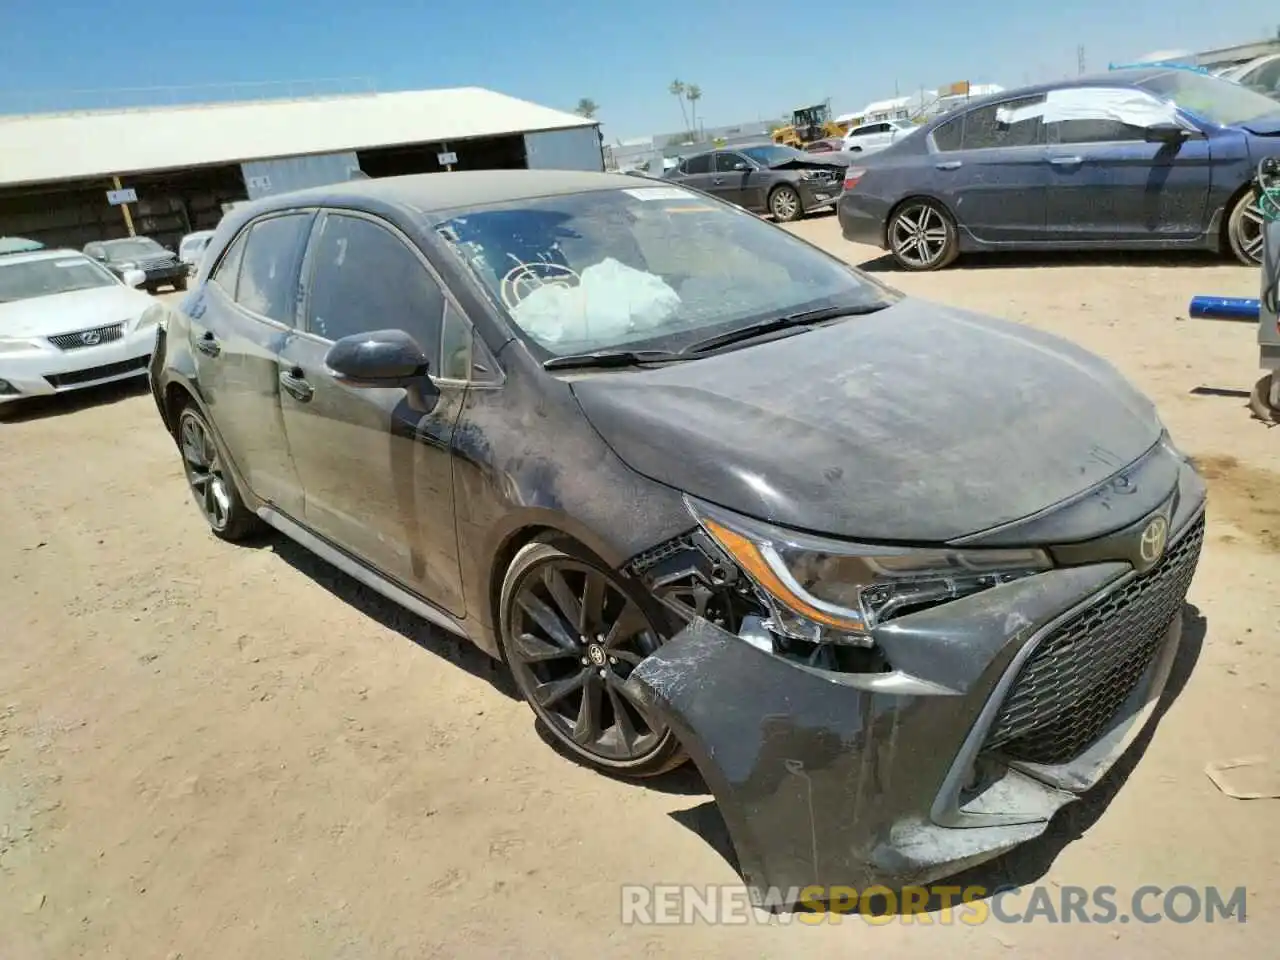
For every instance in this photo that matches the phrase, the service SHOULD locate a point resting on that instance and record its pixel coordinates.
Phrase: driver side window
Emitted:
(365, 278)
(728, 162)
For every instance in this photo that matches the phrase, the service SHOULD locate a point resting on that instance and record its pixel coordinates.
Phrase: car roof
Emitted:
(45, 254)
(1126, 77)
(122, 240)
(432, 192)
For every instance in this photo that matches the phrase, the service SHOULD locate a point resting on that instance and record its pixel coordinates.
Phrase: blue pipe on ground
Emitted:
(1225, 308)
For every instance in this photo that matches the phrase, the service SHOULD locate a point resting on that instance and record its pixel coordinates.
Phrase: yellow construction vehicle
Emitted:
(807, 125)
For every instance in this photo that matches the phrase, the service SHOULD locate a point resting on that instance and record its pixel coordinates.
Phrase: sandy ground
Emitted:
(219, 751)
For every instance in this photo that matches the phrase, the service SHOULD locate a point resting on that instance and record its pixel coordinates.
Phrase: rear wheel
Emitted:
(1245, 228)
(922, 236)
(572, 632)
(784, 204)
(214, 490)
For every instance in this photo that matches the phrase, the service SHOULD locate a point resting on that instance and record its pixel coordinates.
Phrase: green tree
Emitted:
(587, 108)
(677, 90)
(693, 93)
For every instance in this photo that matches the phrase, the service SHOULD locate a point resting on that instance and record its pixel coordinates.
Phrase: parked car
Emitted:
(191, 249)
(1131, 159)
(694, 480)
(1261, 74)
(871, 137)
(66, 323)
(766, 178)
(18, 245)
(159, 265)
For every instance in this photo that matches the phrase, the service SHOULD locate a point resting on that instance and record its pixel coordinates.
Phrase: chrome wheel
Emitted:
(920, 236)
(204, 470)
(1246, 226)
(572, 639)
(785, 204)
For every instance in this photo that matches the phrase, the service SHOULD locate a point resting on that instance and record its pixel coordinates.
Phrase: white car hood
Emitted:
(67, 312)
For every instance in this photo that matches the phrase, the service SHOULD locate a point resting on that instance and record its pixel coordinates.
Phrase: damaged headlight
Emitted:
(830, 591)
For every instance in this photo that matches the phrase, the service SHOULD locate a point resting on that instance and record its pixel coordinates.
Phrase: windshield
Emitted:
(135, 247)
(43, 278)
(771, 155)
(1211, 98)
(656, 268)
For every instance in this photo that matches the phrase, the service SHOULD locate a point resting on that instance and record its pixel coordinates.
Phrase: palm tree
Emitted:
(677, 90)
(587, 108)
(693, 94)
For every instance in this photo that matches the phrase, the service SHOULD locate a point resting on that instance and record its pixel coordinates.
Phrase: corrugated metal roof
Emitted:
(66, 146)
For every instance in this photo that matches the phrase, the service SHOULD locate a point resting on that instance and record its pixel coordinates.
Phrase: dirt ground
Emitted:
(219, 751)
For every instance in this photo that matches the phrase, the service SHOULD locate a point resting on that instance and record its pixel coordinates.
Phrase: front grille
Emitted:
(155, 263)
(57, 380)
(95, 335)
(1071, 687)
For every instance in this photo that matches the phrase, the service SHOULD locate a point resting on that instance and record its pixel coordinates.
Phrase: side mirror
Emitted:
(1165, 133)
(381, 358)
(134, 278)
(740, 166)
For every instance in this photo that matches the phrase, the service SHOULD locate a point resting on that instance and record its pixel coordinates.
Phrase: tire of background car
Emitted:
(570, 666)
(211, 484)
(1244, 228)
(922, 236)
(785, 205)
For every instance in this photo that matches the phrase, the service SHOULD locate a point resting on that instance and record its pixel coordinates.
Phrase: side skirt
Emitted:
(358, 571)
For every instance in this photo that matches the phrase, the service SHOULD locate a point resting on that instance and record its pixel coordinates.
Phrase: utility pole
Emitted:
(1080, 59)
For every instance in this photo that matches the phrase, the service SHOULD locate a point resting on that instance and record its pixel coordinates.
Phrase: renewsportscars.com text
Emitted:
(665, 904)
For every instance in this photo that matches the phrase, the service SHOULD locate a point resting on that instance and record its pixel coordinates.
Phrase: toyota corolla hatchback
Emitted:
(900, 579)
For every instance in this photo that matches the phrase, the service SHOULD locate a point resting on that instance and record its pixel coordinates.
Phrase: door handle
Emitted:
(1066, 161)
(949, 165)
(294, 384)
(718, 180)
(208, 345)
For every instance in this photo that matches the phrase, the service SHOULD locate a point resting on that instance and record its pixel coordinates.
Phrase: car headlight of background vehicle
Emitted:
(829, 591)
(11, 345)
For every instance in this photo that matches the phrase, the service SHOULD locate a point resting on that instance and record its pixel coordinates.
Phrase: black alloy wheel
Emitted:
(215, 493)
(572, 634)
(922, 236)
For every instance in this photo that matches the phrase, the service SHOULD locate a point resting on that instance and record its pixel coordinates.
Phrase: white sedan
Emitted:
(67, 322)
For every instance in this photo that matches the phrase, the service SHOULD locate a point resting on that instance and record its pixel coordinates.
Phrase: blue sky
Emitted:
(750, 57)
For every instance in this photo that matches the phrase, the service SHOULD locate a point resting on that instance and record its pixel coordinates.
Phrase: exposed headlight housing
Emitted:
(830, 591)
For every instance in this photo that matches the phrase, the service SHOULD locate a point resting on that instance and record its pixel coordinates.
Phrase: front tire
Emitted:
(572, 631)
(211, 484)
(1245, 227)
(785, 205)
(922, 236)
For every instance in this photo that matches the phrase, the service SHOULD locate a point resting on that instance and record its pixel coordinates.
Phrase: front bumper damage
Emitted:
(1000, 709)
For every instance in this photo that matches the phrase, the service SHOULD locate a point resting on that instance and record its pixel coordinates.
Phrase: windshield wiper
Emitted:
(611, 358)
(753, 330)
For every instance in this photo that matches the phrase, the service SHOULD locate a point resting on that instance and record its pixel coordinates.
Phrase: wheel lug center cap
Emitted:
(596, 654)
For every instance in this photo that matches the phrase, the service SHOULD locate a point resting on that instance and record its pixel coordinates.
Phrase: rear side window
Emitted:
(950, 135)
(269, 274)
(229, 269)
(700, 164)
(1014, 123)
(365, 278)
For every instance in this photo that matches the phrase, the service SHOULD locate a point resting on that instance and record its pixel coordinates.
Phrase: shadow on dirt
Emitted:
(456, 650)
(1027, 864)
(62, 404)
(1172, 260)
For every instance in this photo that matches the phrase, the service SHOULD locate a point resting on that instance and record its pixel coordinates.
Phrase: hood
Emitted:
(68, 312)
(915, 424)
(836, 159)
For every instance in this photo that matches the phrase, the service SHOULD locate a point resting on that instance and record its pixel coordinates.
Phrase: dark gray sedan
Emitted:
(767, 178)
(1136, 159)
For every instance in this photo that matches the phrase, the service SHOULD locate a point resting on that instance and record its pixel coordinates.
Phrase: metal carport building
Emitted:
(179, 168)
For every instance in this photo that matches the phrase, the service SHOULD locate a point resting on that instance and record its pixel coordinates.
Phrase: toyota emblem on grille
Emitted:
(1151, 543)
(90, 337)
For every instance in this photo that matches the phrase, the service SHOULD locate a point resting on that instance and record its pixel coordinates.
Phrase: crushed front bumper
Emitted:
(817, 194)
(1002, 708)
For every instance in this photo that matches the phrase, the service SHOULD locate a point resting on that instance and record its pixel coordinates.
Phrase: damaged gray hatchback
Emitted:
(901, 580)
